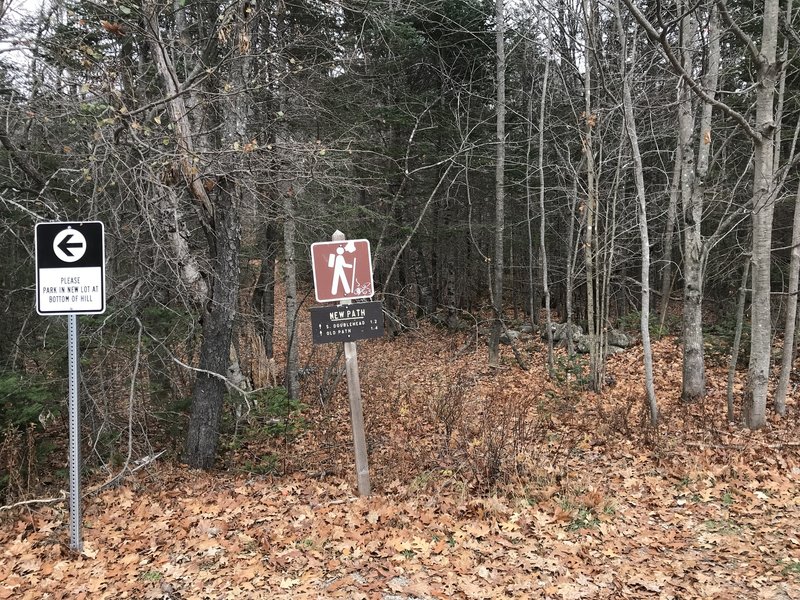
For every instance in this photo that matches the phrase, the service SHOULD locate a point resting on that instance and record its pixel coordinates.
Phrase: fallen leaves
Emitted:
(588, 511)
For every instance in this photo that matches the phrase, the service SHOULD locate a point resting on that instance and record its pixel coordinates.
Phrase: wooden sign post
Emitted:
(343, 272)
(357, 417)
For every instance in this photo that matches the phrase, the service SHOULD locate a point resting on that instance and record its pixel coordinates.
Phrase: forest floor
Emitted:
(487, 483)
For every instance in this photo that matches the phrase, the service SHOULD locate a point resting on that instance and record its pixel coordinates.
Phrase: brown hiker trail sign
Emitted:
(343, 273)
(342, 270)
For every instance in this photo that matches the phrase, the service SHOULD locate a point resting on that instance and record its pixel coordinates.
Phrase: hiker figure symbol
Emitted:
(342, 270)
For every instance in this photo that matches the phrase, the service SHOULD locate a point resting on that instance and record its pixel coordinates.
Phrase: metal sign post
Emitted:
(70, 280)
(75, 539)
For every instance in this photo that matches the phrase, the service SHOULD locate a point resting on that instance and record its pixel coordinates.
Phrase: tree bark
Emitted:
(737, 337)
(264, 293)
(638, 174)
(500, 158)
(290, 268)
(178, 112)
(779, 401)
(694, 378)
(762, 214)
(593, 312)
(669, 235)
(218, 318)
(542, 214)
(693, 189)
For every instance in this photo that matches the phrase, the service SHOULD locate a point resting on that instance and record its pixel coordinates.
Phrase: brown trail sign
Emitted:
(342, 270)
(346, 323)
(343, 273)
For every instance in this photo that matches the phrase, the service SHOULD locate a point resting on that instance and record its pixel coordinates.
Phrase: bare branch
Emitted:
(737, 31)
(61, 498)
(697, 88)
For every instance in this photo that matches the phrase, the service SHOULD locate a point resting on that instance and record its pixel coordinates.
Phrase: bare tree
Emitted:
(669, 235)
(638, 176)
(534, 299)
(693, 191)
(542, 214)
(594, 310)
(761, 133)
(791, 313)
(499, 190)
(763, 209)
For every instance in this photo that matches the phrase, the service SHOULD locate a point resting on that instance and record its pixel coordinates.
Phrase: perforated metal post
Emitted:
(75, 540)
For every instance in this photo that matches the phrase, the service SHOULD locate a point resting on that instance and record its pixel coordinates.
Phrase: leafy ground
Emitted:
(487, 484)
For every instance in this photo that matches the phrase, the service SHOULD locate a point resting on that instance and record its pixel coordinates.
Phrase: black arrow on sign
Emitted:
(65, 245)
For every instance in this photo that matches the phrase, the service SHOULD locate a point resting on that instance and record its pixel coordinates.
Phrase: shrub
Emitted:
(26, 403)
(270, 413)
(23, 399)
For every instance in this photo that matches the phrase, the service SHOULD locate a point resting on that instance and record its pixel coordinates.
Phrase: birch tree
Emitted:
(763, 209)
(791, 313)
(594, 311)
(542, 214)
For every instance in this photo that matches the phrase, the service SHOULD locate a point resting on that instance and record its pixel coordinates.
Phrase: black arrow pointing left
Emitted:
(65, 245)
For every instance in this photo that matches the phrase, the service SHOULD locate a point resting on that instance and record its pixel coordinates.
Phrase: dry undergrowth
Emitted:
(488, 483)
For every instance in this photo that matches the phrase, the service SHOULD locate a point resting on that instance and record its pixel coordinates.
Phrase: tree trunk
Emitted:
(669, 234)
(225, 242)
(534, 298)
(694, 378)
(791, 313)
(787, 360)
(693, 189)
(290, 267)
(500, 158)
(192, 275)
(572, 257)
(763, 210)
(220, 221)
(178, 113)
(193, 278)
(593, 312)
(638, 174)
(264, 293)
(737, 337)
(209, 389)
(542, 214)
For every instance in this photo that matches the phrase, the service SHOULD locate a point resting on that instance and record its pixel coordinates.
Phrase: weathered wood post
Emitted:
(356, 412)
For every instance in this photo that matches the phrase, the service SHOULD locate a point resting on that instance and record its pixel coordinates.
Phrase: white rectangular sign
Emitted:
(70, 290)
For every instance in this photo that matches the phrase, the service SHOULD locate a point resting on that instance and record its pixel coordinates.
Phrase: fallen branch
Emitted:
(777, 446)
(62, 498)
(96, 490)
(140, 464)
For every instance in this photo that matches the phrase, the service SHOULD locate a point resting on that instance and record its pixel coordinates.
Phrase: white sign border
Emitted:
(336, 242)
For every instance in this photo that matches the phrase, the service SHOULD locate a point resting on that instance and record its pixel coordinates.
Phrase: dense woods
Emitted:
(623, 165)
